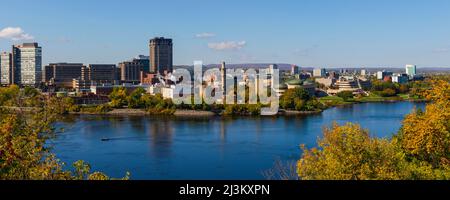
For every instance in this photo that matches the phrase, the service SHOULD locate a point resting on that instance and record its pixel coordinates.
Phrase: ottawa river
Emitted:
(215, 148)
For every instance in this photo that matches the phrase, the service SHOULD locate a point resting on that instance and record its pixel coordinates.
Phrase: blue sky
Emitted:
(327, 33)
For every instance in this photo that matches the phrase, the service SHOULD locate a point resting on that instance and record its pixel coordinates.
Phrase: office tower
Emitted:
(130, 70)
(223, 72)
(5, 68)
(26, 64)
(381, 75)
(99, 73)
(319, 72)
(411, 70)
(295, 70)
(272, 68)
(400, 78)
(363, 72)
(62, 74)
(145, 62)
(161, 55)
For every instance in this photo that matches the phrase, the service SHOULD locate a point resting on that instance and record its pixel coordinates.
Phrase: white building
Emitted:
(400, 78)
(319, 72)
(326, 81)
(27, 64)
(363, 72)
(5, 68)
(411, 70)
(178, 91)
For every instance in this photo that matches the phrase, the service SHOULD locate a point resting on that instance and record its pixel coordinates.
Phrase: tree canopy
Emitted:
(420, 150)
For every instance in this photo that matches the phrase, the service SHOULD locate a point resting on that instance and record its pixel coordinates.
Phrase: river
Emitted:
(214, 148)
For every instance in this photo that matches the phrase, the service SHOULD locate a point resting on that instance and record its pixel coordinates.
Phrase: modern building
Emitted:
(26, 64)
(62, 74)
(319, 72)
(5, 68)
(145, 61)
(99, 73)
(307, 85)
(161, 57)
(363, 72)
(411, 70)
(381, 75)
(327, 82)
(130, 71)
(295, 70)
(223, 73)
(400, 78)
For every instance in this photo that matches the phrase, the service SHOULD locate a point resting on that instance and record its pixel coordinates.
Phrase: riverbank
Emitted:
(184, 113)
(329, 102)
(332, 101)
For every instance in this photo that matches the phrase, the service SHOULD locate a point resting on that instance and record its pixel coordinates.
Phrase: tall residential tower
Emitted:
(411, 70)
(26, 64)
(5, 68)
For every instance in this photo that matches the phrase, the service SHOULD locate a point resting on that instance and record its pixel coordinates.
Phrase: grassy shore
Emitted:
(338, 101)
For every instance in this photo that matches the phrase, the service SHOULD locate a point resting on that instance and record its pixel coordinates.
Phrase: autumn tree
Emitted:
(24, 153)
(345, 95)
(420, 150)
(349, 153)
(118, 97)
(426, 135)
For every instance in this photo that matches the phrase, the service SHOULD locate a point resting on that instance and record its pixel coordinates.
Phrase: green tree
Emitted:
(118, 97)
(349, 153)
(419, 151)
(295, 99)
(24, 153)
(346, 95)
(426, 135)
(388, 92)
(135, 99)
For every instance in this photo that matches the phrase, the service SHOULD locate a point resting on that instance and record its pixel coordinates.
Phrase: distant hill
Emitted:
(285, 66)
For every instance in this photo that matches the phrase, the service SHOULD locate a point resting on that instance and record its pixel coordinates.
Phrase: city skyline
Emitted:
(306, 33)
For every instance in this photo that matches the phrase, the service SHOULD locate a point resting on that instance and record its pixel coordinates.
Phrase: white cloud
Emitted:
(441, 50)
(63, 40)
(205, 35)
(228, 45)
(15, 33)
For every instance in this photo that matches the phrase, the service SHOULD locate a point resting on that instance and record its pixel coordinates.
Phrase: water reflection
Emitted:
(208, 148)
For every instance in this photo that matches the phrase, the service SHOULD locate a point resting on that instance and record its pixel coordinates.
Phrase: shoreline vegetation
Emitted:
(293, 102)
(420, 149)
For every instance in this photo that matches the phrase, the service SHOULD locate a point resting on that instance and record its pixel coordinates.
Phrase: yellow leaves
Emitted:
(427, 135)
(421, 150)
(439, 93)
(23, 154)
(349, 153)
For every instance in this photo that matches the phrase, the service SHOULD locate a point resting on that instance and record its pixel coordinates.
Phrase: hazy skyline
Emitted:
(321, 33)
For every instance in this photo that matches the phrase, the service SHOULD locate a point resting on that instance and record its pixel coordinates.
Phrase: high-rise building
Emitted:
(295, 70)
(145, 62)
(130, 70)
(363, 72)
(161, 57)
(99, 73)
(319, 72)
(27, 64)
(5, 68)
(381, 75)
(400, 78)
(62, 74)
(223, 72)
(411, 70)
